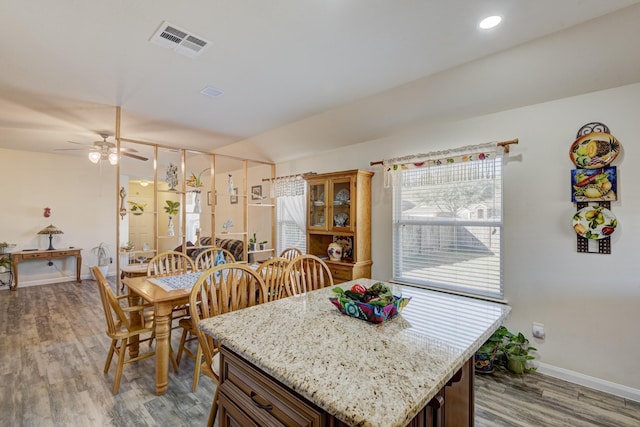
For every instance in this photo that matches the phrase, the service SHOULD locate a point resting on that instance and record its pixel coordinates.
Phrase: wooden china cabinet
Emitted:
(339, 210)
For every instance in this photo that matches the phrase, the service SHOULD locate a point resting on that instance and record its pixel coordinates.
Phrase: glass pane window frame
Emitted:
(448, 227)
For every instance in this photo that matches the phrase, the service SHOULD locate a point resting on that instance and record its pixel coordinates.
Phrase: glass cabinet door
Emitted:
(341, 192)
(317, 205)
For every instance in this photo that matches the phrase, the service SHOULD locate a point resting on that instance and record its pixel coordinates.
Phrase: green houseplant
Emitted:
(5, 263)
(102, 253)
(516, 348)
(486, 355)
(253, 243)
(505, 348)
(172, 207)
(137, 208)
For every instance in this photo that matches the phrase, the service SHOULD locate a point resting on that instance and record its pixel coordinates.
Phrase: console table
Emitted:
(44, 255)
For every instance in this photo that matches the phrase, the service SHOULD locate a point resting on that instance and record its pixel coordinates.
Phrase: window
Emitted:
(447, 220)
(290, 214)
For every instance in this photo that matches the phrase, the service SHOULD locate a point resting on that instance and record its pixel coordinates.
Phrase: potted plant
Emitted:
(6, 247)
(485, 357)
(137, 208)
(516, 348)
(5, 263)
(172, 209)
(263, 245)
(102, 253)
(253, 243)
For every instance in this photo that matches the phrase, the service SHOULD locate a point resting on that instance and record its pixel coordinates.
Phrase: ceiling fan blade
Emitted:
(71, 149)
(128, 150)
(133, 156)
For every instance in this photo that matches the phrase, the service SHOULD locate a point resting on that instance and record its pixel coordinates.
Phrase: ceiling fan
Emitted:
(105, 150)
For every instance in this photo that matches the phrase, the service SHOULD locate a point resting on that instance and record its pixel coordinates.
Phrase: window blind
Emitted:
(290, 194)
(447, 224)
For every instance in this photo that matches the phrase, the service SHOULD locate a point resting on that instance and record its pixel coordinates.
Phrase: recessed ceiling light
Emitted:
(490, 22)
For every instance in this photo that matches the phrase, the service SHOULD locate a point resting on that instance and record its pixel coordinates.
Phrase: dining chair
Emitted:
(170, 262)
(219, 290)
(306, 273)
(120, 328)
(290, 253)
(272, 272)
(207, 258)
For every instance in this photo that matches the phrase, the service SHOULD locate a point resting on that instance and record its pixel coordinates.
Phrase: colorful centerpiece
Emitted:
(375, 304)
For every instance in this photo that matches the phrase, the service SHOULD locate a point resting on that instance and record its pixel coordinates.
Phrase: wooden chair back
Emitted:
(272, 272)
(207, 258)
(113, 313)
(218, 290)
(222, 289)
(170, 262)
(290, 253)
(306, 273)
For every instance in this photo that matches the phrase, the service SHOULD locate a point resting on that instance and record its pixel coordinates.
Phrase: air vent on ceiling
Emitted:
(181, 41)
(211, 91)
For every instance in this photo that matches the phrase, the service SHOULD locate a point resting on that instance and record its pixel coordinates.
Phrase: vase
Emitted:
(196, 202)
(335, 251)
(170, 231)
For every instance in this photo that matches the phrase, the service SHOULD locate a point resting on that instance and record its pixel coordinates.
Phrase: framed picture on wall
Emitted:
(594, 185)
(256, 192)
(234, 196)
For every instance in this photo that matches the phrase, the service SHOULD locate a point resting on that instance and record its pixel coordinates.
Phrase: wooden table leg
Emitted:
(15, 273)
(136, 320)
(78, 268)
(163, 332)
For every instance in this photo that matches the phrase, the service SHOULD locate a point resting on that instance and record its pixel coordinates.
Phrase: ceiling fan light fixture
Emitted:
(113, 158)
(94, 156)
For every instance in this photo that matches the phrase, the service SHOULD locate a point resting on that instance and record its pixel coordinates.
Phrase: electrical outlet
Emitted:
(538, 330)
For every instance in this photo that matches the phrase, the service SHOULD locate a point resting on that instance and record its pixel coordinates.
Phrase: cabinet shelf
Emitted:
(267, 205)
(259, 251)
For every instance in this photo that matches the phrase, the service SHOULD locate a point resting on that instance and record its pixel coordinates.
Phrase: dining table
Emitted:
(164, 297)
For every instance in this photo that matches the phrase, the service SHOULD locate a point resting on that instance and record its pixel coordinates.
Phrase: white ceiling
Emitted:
(324, 73)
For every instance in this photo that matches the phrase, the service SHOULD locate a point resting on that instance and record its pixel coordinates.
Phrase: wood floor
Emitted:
(53, 348)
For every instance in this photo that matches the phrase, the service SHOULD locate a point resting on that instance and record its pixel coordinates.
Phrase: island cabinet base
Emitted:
(249, 397)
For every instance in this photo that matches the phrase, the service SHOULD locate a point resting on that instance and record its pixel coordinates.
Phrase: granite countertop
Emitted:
(365, 374)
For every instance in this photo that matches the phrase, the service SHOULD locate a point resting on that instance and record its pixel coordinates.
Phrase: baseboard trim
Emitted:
(590, 382)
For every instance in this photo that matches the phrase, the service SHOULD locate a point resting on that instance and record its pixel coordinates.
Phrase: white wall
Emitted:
(589, 303)
(82, 198)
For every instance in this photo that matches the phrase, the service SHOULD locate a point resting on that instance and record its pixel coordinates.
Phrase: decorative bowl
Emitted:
(369, 312)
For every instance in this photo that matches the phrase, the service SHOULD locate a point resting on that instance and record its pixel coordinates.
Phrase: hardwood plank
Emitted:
(53, 348)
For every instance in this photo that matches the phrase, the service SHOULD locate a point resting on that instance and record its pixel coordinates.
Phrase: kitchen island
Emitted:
(301, 360)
